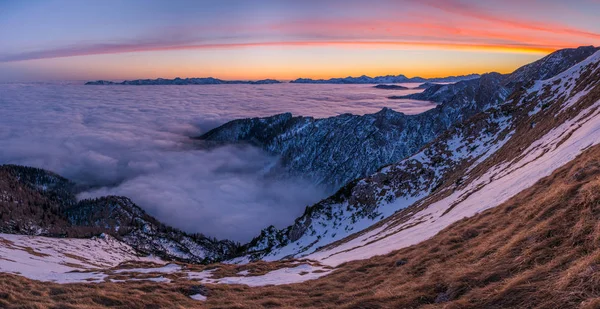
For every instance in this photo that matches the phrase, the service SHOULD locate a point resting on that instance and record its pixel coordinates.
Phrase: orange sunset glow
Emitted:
(285, 41)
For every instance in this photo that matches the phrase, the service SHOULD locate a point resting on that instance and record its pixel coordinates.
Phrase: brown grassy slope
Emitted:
(18, 292)
(540, 249)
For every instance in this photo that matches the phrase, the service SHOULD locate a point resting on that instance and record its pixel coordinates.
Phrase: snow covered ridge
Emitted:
(334, 151)
(395, 187)
(579, 129)
(444, 181)
(497, 185)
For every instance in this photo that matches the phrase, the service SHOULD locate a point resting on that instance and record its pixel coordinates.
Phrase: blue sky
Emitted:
(62, 39)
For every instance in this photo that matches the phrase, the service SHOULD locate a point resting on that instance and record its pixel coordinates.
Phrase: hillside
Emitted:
(334, 151)
(498, 211)
(38, 202)
(463, 164)
(536, 250)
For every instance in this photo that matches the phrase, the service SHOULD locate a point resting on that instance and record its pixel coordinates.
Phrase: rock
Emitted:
(391, 87)
(198, 289)
(401, 262)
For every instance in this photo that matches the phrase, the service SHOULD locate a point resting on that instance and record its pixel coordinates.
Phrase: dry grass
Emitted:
(18, 292)
(541, 249)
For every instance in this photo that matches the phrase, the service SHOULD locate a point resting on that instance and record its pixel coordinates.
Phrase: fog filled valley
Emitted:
(435, 154)
(137, 142)
(477, 193)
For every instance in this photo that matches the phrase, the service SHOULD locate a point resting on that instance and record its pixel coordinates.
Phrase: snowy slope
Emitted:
(63, 260)
(498, 185)
(475, 166)
(96, 260)
(501, 181)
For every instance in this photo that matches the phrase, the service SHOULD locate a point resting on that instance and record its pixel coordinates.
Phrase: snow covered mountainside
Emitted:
(37, 202)
(333, 151)
(336, 150)
(475, 165)
(488, 139)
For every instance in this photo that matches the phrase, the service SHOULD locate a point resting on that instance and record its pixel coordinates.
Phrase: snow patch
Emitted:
(63, 260)
(300, 273)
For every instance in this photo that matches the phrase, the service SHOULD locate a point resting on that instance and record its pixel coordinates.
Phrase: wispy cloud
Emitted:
(472, 11)
(459, 26)
(99, 49)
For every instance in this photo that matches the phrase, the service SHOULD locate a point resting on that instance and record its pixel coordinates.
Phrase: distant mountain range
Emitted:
(184, 81)
(389, 79)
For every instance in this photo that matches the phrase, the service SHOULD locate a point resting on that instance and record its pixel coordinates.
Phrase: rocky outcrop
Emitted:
(390, 87)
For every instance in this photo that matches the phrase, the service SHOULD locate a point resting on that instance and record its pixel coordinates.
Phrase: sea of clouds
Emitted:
(136, 141)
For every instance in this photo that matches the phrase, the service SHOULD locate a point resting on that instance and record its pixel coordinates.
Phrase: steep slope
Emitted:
(539, 249)
(336, 150)
(542, 69)
(63, 260)
(37, 202)
(476, 165)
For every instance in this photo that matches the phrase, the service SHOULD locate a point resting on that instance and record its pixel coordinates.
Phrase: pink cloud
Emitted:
(441, 24)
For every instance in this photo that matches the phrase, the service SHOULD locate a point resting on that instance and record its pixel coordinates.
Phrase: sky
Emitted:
(282, 39)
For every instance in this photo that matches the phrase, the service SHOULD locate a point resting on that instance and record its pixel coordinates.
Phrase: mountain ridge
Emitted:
(333, 151)
(387, 79)
(402, 182)
(38, 202)
(183, 81)
(488, 111)
(346, 80)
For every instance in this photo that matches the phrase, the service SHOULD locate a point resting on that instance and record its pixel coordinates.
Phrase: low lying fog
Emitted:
(134, 141)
